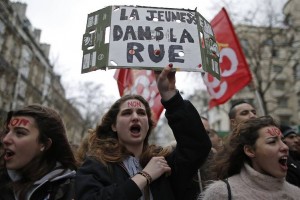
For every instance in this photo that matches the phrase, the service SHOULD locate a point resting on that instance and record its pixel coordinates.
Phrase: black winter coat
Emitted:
(293, 173)
(95, 181)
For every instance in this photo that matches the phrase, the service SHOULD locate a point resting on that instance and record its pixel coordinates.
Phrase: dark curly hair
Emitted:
(230, 160)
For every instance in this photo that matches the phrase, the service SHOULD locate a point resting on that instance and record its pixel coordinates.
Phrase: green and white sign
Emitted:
(149, 38)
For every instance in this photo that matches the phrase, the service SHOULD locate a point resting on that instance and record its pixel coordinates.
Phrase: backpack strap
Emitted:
(228, 188)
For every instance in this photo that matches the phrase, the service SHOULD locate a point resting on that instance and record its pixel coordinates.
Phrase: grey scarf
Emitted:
(133, 166)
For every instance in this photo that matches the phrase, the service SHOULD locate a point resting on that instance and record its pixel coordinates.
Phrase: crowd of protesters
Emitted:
(259, 159)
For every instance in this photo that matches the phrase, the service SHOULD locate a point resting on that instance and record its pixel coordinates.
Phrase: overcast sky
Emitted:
(63, 24)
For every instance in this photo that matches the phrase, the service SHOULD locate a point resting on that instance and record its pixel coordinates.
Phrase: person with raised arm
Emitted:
(120, 164)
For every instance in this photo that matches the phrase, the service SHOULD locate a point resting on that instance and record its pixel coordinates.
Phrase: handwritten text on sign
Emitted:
(149, 38)
(137, 34)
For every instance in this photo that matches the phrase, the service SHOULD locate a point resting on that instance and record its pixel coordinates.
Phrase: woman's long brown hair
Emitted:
(50, 126)
(103, 144)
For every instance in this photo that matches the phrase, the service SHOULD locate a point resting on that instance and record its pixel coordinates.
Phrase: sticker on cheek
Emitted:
(274, 132)
(134, 104)
(19, 122)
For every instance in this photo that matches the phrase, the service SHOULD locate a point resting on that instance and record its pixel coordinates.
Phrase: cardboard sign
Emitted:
(149, 38)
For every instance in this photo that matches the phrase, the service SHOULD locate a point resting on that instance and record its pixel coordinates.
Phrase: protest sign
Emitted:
(149, 38)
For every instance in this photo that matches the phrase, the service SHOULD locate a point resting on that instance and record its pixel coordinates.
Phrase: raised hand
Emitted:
(166, 80)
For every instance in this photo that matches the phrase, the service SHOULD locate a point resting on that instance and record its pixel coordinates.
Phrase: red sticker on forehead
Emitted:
(274, 132)
(134, 104)
(18, 122)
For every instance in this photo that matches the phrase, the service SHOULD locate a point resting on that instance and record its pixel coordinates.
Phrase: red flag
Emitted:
(140, 82)
(235, 73)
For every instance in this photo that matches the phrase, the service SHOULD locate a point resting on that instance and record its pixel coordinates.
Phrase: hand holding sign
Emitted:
(165, 81)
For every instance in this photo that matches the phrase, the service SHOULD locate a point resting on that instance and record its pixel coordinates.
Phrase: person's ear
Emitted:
(42, 148)
(113, 127)
(47, 145)
(232, 123)
(249, 151)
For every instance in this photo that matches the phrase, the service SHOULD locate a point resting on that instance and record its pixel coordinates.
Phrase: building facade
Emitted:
(26, 75)
(273, 55)
(292, 20)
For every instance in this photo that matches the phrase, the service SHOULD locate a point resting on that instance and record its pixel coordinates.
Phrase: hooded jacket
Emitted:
(56, 185)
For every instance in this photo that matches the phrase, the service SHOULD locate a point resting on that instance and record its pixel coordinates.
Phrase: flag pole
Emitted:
(258, 99)
(200, 181)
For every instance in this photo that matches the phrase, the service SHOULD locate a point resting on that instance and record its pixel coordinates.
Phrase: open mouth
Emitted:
(8, 154)
(283, 161)
(135, 128)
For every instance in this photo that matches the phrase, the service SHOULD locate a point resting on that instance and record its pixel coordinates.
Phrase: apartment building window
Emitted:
(298, 97)
(279, 84)
(288, 20)
(277, 68)
(245, 46)
(2, 31)
(22, 86)
(25, 61)
(274, 53)
(296, 70)
(284, 119)
(46, 84)
(2, 27)
(268, 42)
(282, 102)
